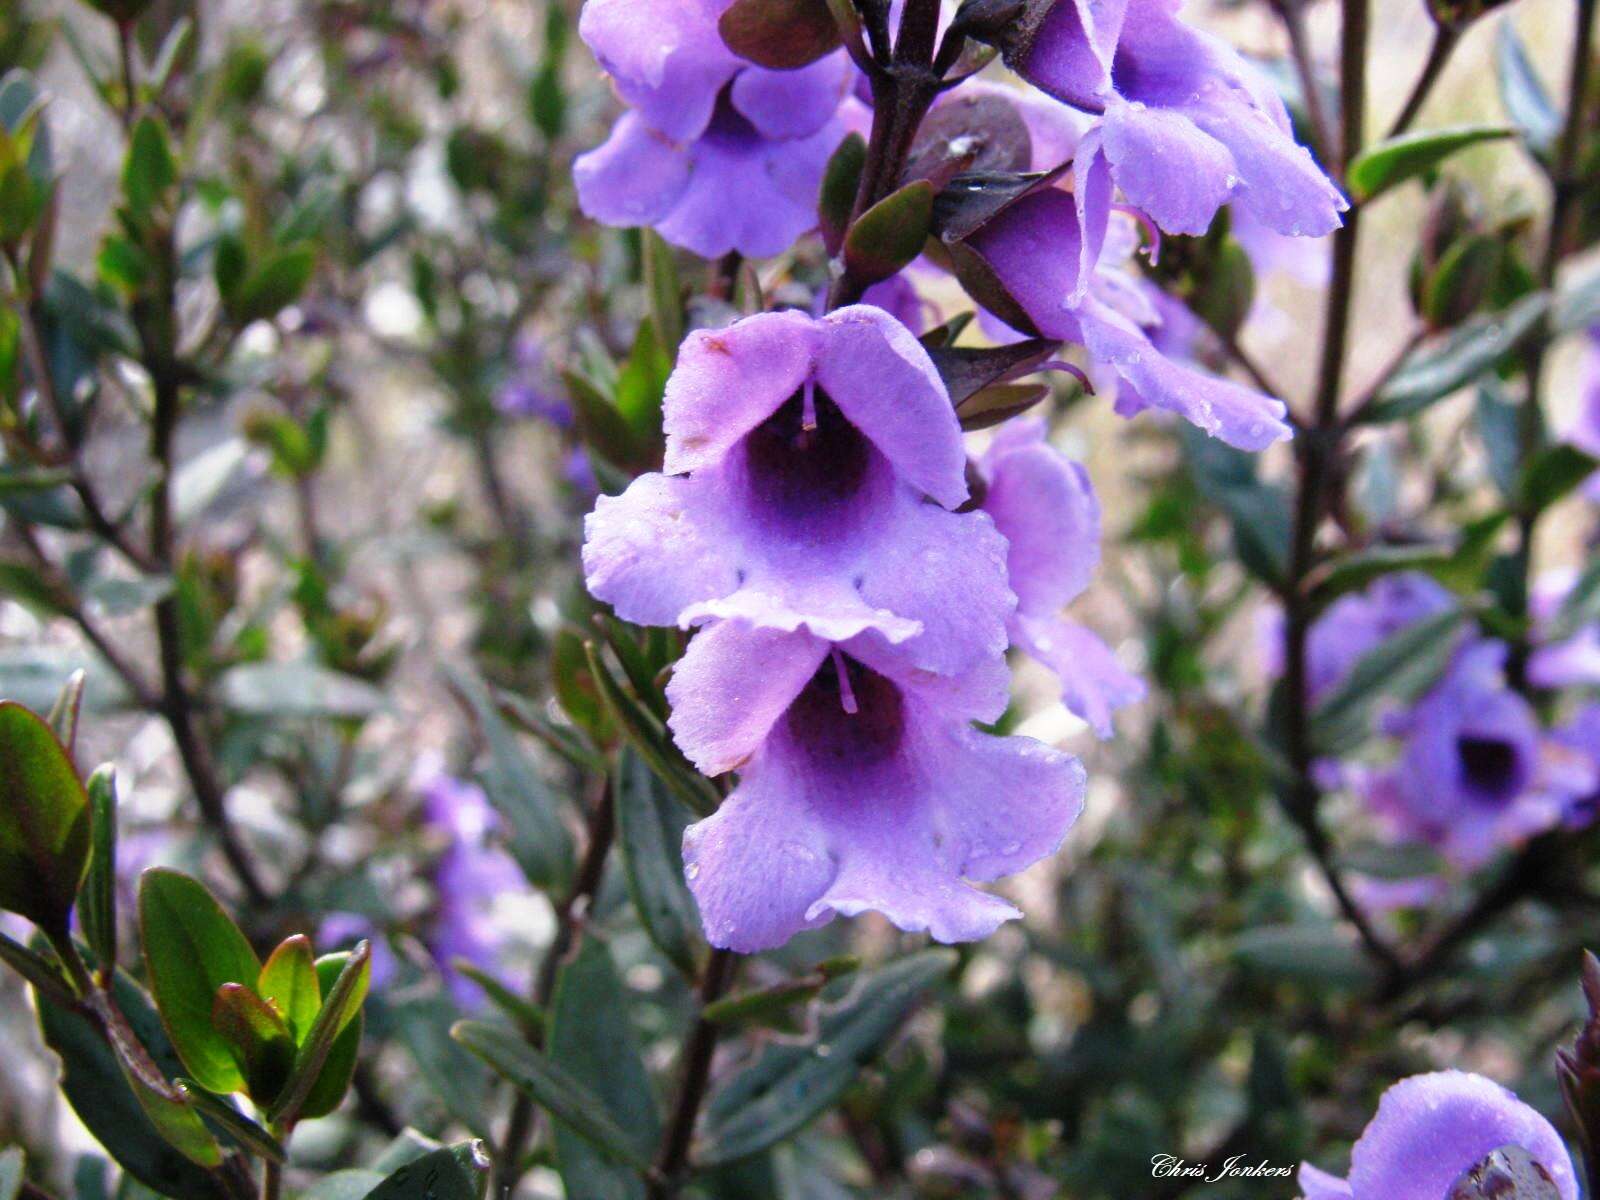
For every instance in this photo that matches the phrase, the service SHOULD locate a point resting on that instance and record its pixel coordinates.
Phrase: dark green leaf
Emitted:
(97, 900)
(1461, 280)
(567, 1100)
(1522, 93)
(445, 1069)
(999, 403)
(665, 290)
(840, 182)
(524, 1014)
(1455, 361)
(95, 1084)
(592, 1040)
(1314, 955)
(44, 822)
(326, 1058)
(966, 371)
(890, 234)
(350, 1184)
(289, 983)
(1378, 168)
(231, 1121)
(275, 284)
(603, 428)
(538, 838)
(192, 948)
(459, 1172)
(1499, 429)
(1553, 473)
(642, 382)
(1259, 512)
(650, 825)
(64, 713)
(1400, 669)
(149, 173)
(296, 689)
(43, 973)
(649, 737)
(1460, 566)
(262, 1046)
(789, 1085)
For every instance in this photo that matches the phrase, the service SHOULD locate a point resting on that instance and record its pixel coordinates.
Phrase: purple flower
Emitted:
(1572, 661)
(338, 929)
(527, 391)
(1355, 624)
(1043, 503)
(1475, 773)
(1430, 1130)
(862, 787)
(1584, 433)
(1035, 249)
(1186, 124)
(801, 457)
(704, 126)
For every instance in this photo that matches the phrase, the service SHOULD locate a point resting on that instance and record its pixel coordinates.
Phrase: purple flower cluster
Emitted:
(1475, 771)
(1430, 1131)
(813, 521)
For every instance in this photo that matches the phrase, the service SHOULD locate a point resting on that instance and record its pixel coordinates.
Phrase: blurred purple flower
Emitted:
(862, 787)
(341, 930)
(1044, 505)
(800, 456)
(1584, 433)
(527, 390)
(1430, 1130)
(1573, 661)
(1035, 249)
(704, 126)
(470, 874)
(1476, 772)
(1186, 124)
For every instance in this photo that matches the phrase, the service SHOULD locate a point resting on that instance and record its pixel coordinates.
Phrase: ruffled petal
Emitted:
(634, 177)
(1167, 166)
(1275, 178)
(793, 104)
(882, 379)
(1235, 414)
(1072, 50)
(730, 687)
(665, 58)
(728, 381)
(1094, 684)
(1430, 1128)
(1574, 662)
(1319, 1185)
(656, 549)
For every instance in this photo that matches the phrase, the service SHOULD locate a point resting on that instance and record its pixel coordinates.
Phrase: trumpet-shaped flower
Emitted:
(862, 787)
(1186, 124)
(811, 464)
(1036, 253)
(1043, 503)
(1430, 1130)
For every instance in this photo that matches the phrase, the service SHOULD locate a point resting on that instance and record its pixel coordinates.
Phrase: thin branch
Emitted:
(1445, 41)
(673, 1155)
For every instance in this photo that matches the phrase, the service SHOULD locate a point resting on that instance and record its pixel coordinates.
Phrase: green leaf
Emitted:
(840, 182)
(537, 837)
(1459, 566)
(192, 948)
(444, 1067)
(1461, 280)
(567, 1100)
(289, 983)
(999, 403)
(97, 900)
(890, 234)
(592, 1040)
(296, 689)
(1316, 955)
(1498, 428)
(351, 1184)
(326, 1059)
(65, 711)
(149, 172)
(528, 1017)
(1437, 370)
(1522, 93)
(1379, 168)
(43, 973)
(648, 736)
(650, 825)
(95, 1084)
(642, 383)
(603, 428)
(1400, 668)
(459, 1172)
(44, 822)
(1553, 473)
(1259, 512)
(664, 288)
(228, 267)
(261, 1043)
(275, 284)
(232, 1122)
(789, 1085)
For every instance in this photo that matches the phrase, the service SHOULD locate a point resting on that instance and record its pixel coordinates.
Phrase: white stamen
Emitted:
(847, 698)
(808, 406)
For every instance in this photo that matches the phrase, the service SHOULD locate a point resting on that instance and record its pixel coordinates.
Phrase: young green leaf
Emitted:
(275, 284)
(261, 1043)
(289, 983)
(192, 948)
(327, 1057)
(64, 714)
(650, 825)
(890, 234)
(231, 1121)
(44, 822)
(149, 173)
(1379, 168)
(459, 1172)
(840, 181)
(97, 900)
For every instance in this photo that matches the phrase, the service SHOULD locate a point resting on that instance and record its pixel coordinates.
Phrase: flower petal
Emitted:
(793, 104)
(1093, 683)
(632, 178)
(665, 57)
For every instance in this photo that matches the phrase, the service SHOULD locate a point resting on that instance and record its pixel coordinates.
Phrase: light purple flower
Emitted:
(1186, 124)
(862, 786)
(338, 930)
(1584, 433)
(811, 464)
(1475, 773)
(705, 127)
(1036, 251)
(1355, 624)
(527, 390)
(1044, 505)
(1581, 736)
(1572, 661)
(1430, 1130)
